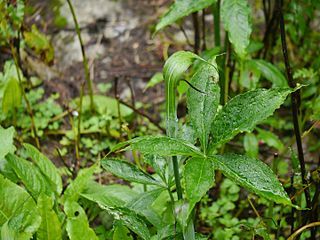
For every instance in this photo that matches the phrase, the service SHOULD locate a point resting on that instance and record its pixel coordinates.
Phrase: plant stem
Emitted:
(204, 45)
(79, 127)
(29, 108)
(196, 32)
(116, 96)
(154, 122)
(216, 23)
(300, 230)
(84, 58)
(295, 96)
(177, 176)
(227, 72)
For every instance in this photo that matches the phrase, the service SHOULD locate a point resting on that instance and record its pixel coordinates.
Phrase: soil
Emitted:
(119, 45)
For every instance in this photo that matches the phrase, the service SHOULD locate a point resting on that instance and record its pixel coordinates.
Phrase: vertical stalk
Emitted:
(196, 32)
(29, 108)
(116, 96)
(84, 58)
(177, 176)
(204, 45)
(216, 23)
(227, 71)
(295, 96)
(79, 128)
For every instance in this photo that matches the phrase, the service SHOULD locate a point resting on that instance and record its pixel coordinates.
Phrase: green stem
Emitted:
(79, 127)
(84, 58)
(177, 176)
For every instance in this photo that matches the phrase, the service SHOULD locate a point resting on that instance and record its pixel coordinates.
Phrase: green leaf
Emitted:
(253, 175)
(128, 171)
(270, 72)
(19, 216)
(173, 70)
(77, 222)
(39, 43)
(243, 112)
(77, 186)
(251, 145)
(46, 167)
(126, 216)
(121, 233)
(110, 195)
(203, 106)
(236, 17)
(30, 176)
(180, 9)
(270, 139)
(158, 163)
(161, 146)
(199, 178)
(142, 205)
(104, 106)
(156, 79)
(6, 140)
(133, 222)
(50, 228)
(11, 96)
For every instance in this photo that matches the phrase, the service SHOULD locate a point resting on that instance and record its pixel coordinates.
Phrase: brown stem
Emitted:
(204, 45)
(196, 32)
(295, 96)
(144, 115)
(186, 36)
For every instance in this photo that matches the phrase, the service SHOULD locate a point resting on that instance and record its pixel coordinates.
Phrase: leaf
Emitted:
(249, 75)
(104, 106)
(121, 233)
(251, 145)
(39, 43)
(245, 111)
(77, 222)
(142, 205)
(156, 79)
(50, 228)
(30, 176)
(173, 70)
(203, 106)
(77, 186)
(270, 139)
(158, 163)
(236, 17)
(6, 140)
(199, 178)
(270, 72)
(46, 167)
(110, 195)
(253, 175)
(180, 9)
(124, 215)
(128, 171)
(19, 216)
(11, 96)
(161, 146)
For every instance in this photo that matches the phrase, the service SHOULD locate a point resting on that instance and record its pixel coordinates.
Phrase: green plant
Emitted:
(36, 207)
(213, 128)
(222, 215)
